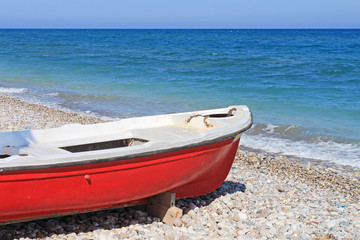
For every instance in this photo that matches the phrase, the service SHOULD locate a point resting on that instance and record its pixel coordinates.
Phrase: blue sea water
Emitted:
(303, 86)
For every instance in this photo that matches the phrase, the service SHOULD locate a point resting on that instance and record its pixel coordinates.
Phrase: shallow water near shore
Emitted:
(303, 86)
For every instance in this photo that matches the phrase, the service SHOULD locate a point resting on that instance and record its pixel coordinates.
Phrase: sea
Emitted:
(302, 86)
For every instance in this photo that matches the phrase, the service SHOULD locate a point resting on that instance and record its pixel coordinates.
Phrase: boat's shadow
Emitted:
(107, 219)
(228, 187)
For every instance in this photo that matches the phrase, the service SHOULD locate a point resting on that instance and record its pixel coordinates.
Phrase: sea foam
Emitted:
(12, 90)
(339, 153)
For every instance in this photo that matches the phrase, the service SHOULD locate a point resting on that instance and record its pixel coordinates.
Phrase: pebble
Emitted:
(177, 222)
(242, 216)
(265, 196)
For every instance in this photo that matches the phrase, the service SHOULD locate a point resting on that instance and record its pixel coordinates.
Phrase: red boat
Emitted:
(78, 168)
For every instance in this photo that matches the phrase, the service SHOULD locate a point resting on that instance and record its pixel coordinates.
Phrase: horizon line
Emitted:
(115, 28)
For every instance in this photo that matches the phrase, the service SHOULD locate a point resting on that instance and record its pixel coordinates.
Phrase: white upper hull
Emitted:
(144, 135)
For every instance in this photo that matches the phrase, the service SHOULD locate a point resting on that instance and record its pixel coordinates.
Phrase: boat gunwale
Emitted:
(129, 156)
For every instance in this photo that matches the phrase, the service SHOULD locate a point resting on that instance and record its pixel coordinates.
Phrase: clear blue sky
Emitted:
(179, 13)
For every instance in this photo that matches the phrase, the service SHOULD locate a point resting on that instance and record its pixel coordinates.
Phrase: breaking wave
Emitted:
(12, 90)
(295, 141)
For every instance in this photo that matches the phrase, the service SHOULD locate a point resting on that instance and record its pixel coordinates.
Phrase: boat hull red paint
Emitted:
(38, 193)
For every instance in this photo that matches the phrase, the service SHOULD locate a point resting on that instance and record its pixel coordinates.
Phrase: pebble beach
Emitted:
(265, 196)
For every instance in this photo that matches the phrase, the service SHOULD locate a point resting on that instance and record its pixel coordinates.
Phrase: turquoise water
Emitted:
(303, 86)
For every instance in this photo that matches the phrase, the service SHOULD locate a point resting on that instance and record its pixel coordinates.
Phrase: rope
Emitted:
(207, 124)
(199, 115)
(230, 112)
(189, 119)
